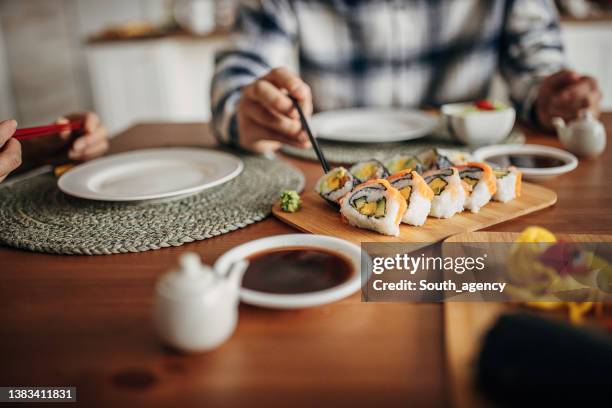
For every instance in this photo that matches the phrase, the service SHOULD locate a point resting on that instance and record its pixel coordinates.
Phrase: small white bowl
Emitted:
(477, 127)
(301, 300)
(533, 174)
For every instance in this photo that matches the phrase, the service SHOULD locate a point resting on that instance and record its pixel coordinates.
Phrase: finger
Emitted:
(91, 122)
(10, 157)
(578, 89)
(285, 79)
(91, 152)
(269, 96)
(257, 132)
(7, 130)
(582, 94)
(273, 121)
(65, 135)
(561, 79)
(82, 142)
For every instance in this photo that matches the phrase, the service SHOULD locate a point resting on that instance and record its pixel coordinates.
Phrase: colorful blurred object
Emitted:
(540, 266)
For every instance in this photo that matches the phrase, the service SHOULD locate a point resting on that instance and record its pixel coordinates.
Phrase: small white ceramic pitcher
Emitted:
(196, 307)
(585, 136)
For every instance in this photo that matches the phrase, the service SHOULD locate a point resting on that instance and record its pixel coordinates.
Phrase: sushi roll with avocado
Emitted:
(335, 184)
(376, 206)
(404, 162)
(436, 159)
(449, 192)
(480, 178)
(368, 170)
(508, 183)
(416, 192)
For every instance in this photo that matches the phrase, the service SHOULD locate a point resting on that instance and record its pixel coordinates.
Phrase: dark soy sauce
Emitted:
(526, 161)
(296, 270)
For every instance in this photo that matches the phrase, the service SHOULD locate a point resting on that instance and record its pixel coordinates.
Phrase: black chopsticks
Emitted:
(313, 140)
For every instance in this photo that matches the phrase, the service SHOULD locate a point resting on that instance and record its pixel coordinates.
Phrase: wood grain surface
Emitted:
(465, 323)
(318, 217)
(85, 321)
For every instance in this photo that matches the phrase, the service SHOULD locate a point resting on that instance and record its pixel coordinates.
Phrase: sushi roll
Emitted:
(508, 184)
(376, 206)
(335, 184)
(436, 159)
(368, 170)
(404, 162)
(449, 192)
(479, 176)
(416, 192)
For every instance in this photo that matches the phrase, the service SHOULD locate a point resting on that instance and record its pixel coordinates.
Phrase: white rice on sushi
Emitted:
(480, 178)
(449, 192)
(334, 185)
(368, 170)
(376, 206)
(508, 183)
(416, 192)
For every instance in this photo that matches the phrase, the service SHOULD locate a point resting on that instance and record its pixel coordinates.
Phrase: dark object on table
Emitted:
(528, 360)
(313, 139)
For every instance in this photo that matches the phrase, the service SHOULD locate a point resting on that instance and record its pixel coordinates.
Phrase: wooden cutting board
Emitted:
(465, 323)
(318, 217)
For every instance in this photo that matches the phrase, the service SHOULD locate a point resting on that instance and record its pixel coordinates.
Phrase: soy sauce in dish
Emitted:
(294, 270)
(526, 161)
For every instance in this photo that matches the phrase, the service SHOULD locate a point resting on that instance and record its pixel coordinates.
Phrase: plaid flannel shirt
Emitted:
(390, 53)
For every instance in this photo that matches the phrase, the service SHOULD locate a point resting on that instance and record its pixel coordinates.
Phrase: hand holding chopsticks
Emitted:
(78, 137)
(48, 130)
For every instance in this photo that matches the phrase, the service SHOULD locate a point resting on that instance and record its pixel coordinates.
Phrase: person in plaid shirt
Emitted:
(387, 53)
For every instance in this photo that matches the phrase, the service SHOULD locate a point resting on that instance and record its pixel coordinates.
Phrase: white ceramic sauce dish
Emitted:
(477, 127)
(570, 162)
(344, 248)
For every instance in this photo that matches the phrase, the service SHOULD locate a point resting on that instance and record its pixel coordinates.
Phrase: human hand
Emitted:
(92, 142)
(10, 148)
(266, 116)
(565, 94)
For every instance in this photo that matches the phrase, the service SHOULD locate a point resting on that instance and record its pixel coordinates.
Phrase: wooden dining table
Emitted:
(85, 321)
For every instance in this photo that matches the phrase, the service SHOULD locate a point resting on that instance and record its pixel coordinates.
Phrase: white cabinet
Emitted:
(154, 80)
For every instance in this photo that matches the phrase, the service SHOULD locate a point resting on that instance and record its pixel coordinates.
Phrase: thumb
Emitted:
(63, 121)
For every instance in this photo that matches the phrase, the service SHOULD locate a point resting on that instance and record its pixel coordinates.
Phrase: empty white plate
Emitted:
(150, 174)
(373, 125)
(303, 241)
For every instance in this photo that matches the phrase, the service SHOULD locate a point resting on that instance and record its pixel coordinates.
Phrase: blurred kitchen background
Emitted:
(152, 60)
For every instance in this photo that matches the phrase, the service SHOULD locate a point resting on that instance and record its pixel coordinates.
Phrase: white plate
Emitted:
(367, 125)
(302, 300)
(150, 174)
(538, 174)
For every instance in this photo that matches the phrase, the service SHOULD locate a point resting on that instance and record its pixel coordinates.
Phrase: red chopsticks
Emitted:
(48, 130)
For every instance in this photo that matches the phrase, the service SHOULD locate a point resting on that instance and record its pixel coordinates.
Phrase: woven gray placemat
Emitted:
(36, 215)
(342, 152)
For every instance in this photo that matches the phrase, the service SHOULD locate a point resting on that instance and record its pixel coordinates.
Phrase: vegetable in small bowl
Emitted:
(479, 123)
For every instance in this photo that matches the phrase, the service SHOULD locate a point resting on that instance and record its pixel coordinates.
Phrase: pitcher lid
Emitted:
(191, 278)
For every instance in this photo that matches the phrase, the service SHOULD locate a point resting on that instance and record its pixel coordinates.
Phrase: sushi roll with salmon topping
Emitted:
(368, 170)
(376, 206)
(335, 184)
(416, 192)
(404, 162)
(449, 192)
(479, 176)
(508, 183)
